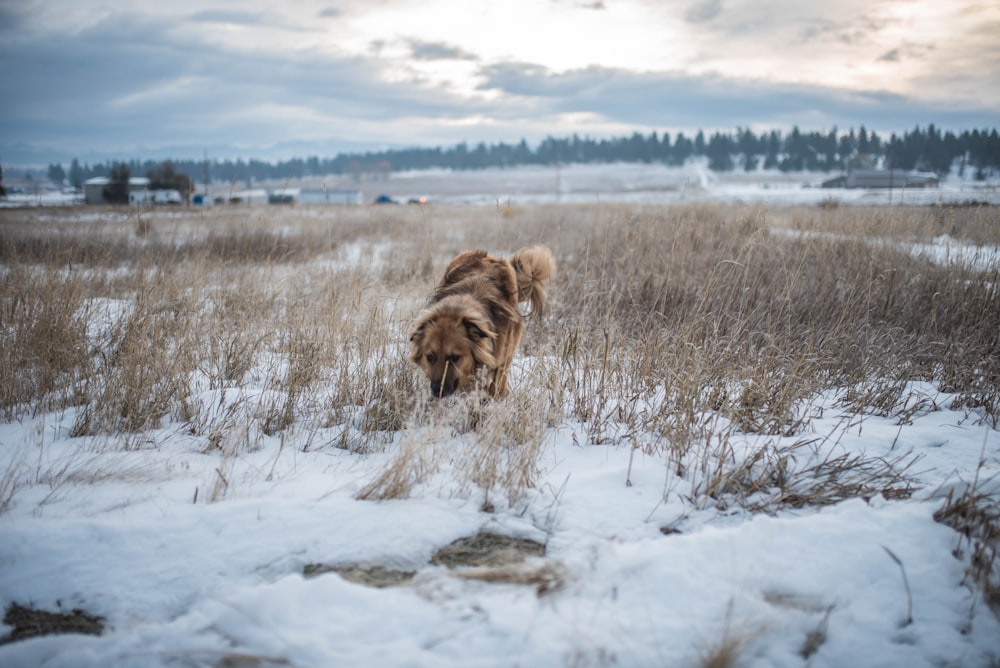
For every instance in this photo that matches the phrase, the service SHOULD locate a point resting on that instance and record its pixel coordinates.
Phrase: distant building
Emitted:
(882, 178)
(93, 189)
(168, 196)
(249, 196)
(313, 196)
(283, 196)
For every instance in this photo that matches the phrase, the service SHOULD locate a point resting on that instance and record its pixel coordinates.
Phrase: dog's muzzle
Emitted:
(442, 389)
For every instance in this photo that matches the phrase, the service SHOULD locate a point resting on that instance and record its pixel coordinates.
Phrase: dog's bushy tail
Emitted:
(534, 266)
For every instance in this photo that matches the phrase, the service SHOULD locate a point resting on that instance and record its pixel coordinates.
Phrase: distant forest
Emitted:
(927, 149)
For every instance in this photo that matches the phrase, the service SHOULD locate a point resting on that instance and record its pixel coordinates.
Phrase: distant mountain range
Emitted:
(24, 155)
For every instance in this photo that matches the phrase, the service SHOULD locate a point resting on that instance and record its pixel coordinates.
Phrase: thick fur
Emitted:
(472, 326)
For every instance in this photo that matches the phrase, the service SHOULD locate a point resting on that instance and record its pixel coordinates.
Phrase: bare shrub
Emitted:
(974, 513)
(413, 463)
(44, 347)
(727, 650)
(144, 368)
(504, 454)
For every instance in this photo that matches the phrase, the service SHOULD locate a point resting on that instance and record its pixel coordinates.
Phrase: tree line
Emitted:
(925, 149)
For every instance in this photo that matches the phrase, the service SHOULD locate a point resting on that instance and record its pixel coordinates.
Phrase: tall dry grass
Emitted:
(670, 329)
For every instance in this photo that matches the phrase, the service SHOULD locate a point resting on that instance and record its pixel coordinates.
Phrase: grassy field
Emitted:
(744, 311)
(669, 329)
(659, 317)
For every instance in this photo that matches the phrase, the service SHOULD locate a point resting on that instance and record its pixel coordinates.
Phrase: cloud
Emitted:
(10, 19)
(855, 29)
(712, 101)
(703, 11)
(142, 79)
(438, 51)
(909, 51)
(236, 17)
(143, 86)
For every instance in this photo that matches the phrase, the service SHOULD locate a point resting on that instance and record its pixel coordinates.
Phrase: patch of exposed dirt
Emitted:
(546, 579)
(487, 549)
(487, 557)
(29, 623)
(372, 576)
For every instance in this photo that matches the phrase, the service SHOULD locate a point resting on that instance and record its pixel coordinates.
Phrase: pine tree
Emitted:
(116, 192)
(56, 174)
(699, 143)
(166, 177)
(75, 174)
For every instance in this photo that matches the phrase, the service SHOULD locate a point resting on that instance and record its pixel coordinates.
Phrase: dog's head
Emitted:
(451, 343)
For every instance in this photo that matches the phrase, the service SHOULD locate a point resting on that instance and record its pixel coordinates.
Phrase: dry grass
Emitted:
(670, 329)
(544, 578)
(975, 514)
(729, 649)
(27, 622)
(976, 517)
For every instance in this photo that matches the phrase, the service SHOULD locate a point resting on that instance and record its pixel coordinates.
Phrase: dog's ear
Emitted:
(417, 338)
(478, 329)
(481, 334)
(420, 325)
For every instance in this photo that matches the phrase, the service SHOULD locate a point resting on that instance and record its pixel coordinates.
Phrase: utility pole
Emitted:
(206, 176)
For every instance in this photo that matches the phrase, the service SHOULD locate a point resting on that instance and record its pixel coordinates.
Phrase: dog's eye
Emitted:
(453, 359)
(431, 357)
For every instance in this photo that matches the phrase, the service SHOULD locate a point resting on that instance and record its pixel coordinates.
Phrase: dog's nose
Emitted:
(440, 390)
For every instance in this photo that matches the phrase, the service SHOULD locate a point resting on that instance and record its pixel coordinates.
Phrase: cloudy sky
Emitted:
(148, 78)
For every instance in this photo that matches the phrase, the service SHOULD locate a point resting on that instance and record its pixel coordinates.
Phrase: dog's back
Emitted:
(490, 278)
(477, 274)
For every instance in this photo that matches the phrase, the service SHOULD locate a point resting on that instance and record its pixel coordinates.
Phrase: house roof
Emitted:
(103, 181)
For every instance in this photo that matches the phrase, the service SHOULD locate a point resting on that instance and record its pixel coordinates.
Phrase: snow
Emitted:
(183, 582)
(655, 183)
(186, 572)
(634, 183)
(942, 250)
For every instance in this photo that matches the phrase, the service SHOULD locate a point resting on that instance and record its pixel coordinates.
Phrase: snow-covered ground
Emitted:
(644, 577)
(942, 250)
(661, 184)
(196, 558)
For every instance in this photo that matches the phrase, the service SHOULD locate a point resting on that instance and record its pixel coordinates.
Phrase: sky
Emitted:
(255, 79)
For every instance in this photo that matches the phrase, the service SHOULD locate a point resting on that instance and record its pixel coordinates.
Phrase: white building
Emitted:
(93, 189)
(155, 197)
(313, 196)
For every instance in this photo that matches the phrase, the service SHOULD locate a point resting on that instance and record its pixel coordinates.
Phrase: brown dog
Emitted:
(472, 320)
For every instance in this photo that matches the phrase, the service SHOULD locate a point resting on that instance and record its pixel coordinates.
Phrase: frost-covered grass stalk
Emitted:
(669, 329)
